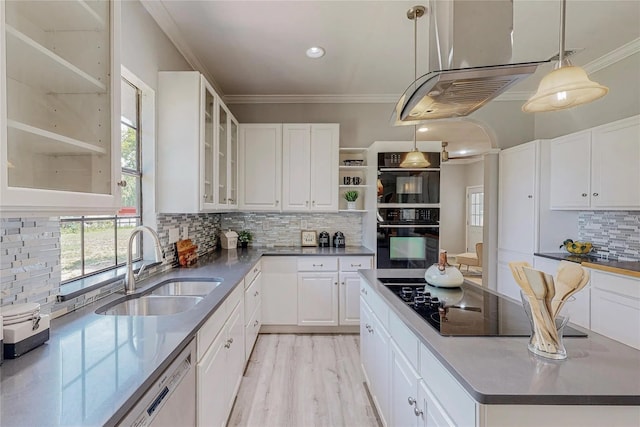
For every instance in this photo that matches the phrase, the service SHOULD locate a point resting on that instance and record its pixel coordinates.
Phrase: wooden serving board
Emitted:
(187, 252)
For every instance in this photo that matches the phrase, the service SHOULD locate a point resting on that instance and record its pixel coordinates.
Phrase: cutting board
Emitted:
(187, 252)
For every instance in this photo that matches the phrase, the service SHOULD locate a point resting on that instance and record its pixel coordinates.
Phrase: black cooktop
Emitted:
(465, 311)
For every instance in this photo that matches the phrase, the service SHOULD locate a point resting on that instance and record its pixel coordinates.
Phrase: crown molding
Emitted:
(160, 14)
(310, 99)
(614, 56)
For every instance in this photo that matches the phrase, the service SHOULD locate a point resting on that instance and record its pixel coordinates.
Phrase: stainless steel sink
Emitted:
(151, 305)
(186, 288)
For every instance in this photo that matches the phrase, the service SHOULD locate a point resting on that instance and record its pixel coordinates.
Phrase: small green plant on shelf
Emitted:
(351, 196)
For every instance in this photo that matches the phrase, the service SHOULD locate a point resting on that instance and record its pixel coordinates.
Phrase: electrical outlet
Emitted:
(174, 235)
(303, 224)
(185, 231)
(265, 225)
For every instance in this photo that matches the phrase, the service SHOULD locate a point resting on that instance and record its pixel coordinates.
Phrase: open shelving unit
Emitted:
(348, 169)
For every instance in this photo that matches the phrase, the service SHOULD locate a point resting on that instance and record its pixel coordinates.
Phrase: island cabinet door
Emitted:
(429, 411)
(404, 390)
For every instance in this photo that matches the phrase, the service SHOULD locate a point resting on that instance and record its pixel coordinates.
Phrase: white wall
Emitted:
(453, 181)
(145, 48)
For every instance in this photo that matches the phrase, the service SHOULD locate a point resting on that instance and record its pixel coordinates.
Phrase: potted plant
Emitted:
(244, 237)
(351, 196)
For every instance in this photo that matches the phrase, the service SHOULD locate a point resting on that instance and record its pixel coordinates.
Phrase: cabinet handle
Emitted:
(204, 196)
(335, 283)
(230, 340)
(318, 265)
(530, 196)
(256, 294)
(595, 194)
(277, 201)
(306, 203)
(255, 269)
(313, 202)
(227, 345)
(255, 323)
(342, 283)
(584, 194)
(411, 401)
(356, 265)
(122, 183)
(231, 200)
(417, 411)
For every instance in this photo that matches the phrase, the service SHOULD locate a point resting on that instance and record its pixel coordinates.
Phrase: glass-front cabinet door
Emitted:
(207, 160)
(223, 151)
(233, 162)
(61, 107)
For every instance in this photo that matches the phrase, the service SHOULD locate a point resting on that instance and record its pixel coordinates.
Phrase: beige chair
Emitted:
(471, 259)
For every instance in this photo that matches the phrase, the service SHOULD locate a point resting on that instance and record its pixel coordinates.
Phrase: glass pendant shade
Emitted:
(564, 87)
(414, 159)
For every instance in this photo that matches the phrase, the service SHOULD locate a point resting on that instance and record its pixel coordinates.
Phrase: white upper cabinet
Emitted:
(518, 202)
(615, 165)
(597, 168)
(226, 159)
(310, 174)
(186, 143)
(260, 158)
(570, 171)
(60, 114)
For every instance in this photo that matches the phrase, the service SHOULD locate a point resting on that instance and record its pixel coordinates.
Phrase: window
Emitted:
(477, 209)
(91, 244)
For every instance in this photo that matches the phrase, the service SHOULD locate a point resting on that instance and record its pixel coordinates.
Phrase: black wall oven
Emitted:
(405, 186)
(407, 237)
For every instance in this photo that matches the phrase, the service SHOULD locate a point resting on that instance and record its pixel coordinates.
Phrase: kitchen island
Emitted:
(487, 381)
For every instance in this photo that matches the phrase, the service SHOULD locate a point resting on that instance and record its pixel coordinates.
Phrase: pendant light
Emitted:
(414, 158)
(566, 86)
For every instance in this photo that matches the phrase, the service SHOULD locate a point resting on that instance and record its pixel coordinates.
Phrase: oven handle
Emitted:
(407, 226)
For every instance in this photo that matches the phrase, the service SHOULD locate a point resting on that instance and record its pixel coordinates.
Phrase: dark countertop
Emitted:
(496, 370)
(628, 268)
(94, 368)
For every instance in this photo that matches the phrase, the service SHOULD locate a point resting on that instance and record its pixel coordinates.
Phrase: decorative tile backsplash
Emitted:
(615, 234)
(203, 231)
(29, 261)
(283, 229)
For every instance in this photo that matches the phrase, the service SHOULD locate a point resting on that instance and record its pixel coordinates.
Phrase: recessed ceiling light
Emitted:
(315, 52)
(423, 129)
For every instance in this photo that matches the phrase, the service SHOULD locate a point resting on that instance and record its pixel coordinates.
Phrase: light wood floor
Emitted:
(304, 381)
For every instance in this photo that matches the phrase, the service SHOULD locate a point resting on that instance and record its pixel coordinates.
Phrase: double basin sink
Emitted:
(169, 297)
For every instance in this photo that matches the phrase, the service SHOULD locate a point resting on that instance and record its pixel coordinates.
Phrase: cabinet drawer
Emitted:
(252, 298)
(317, 264)
(378, 307)
(255, 270)
(232, 300)
(355, 263)
(453, 398)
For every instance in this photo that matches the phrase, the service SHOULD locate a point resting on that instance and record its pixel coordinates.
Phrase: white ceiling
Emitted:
(255, 50)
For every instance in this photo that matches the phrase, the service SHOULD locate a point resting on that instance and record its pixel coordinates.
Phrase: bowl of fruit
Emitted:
(578, 248)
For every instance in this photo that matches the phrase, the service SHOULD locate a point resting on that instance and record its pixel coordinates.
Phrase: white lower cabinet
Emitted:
(429, 411)
(279, 290)
(577, 308)
(220, 370)
(317, 299)
(252, 308)
(615, 307)
(404, 390)
(374, 351)
(349, 305)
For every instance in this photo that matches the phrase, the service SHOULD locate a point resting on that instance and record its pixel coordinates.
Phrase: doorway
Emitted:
(475, 216)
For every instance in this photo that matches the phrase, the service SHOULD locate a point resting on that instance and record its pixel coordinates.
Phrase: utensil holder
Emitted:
(546, 340)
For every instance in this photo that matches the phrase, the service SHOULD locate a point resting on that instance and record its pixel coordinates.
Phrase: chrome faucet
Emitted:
(130, 277)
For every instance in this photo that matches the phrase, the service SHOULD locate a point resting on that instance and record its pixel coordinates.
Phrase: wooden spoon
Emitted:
(540, 282)
(543, 339)
(570, 278)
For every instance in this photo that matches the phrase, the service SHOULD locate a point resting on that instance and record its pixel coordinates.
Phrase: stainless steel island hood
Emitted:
(467, 40)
